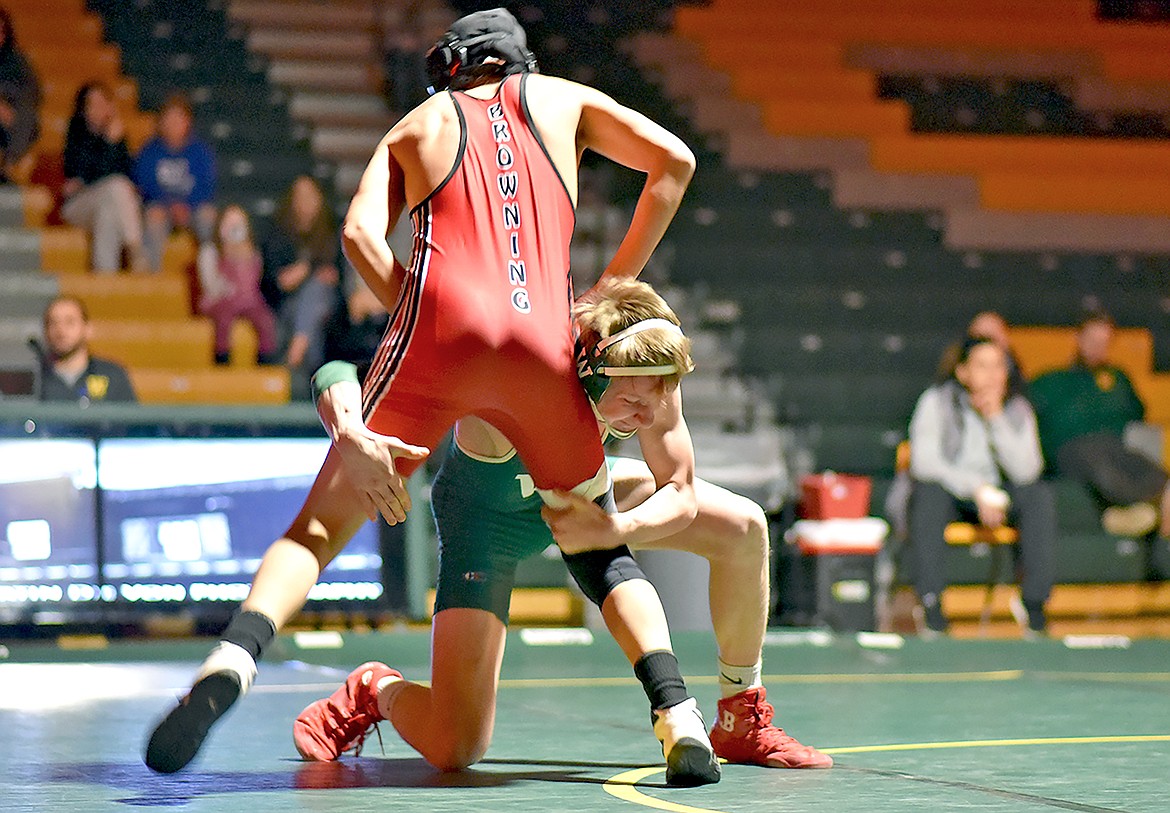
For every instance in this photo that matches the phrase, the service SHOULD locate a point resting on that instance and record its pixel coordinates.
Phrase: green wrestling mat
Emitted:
(989, 726)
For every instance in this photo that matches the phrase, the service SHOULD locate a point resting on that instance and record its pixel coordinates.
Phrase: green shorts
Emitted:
(488, 519)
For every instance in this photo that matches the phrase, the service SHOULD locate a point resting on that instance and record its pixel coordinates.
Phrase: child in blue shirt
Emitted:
(175, 172)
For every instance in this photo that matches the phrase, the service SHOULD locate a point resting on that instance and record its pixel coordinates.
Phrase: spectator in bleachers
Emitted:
(231, 288)
(975, 456)
(1083, 410)
(991, 325)
(356, 329)
(68, 371)
(175, 174)
(20, 98)
(99, 195)
(300, 281)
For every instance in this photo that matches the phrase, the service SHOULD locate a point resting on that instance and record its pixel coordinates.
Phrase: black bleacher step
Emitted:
(811, 349)
(886, 397)
(699, 222)
(1003, 106)
(920, 304)
(723, 187)
(855, 446)
(178, 44)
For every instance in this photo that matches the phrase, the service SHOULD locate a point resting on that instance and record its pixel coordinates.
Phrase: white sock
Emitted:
(227, 657)
(736, 679)
(388, 689)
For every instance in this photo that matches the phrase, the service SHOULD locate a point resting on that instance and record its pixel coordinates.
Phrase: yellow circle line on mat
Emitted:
(1108, 677)
(931, 746)
(623, 784)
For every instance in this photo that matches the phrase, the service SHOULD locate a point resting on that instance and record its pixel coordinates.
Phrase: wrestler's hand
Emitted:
(583, 525)
(368, 461)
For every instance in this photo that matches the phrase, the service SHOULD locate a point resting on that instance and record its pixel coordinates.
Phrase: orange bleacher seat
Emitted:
(1133, 53)
(86, 60)
(244, 344)
(1043, 9)
(123, 297)
(1089, 192)
(26, 9)
(38, 205)
(179, 256)
(219, 385)
(172, 343)
(837, 84)
(64, 249)
(1136, 64)
(835, 119)
(1067, 25)
(1154, 390)
(1033, 154)
(727, 54)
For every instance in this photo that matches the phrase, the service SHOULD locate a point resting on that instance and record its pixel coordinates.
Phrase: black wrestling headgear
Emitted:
(472, 39)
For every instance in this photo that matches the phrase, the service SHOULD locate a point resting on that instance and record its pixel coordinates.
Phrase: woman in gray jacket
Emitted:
(975, 456)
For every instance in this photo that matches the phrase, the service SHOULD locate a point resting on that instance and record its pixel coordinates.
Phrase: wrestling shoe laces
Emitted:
(330, 727)
(743, 733)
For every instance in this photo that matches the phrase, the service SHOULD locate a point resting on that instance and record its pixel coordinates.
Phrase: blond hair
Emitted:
(618, 304)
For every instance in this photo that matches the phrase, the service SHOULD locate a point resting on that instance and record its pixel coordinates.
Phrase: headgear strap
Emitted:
(625, 333)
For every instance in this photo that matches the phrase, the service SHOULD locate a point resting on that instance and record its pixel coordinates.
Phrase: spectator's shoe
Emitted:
(743, 733)
(227, 673)
(690, 759)
(1129, 520)
(929, 618)
(1031, 617)
(329, 727)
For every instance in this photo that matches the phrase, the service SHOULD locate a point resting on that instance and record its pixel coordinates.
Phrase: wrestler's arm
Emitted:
(666, 447)
(377, 204)
(668, 452)
(367, 457)
(629, 138)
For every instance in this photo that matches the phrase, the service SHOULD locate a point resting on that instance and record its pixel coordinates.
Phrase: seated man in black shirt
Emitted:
(68, 371)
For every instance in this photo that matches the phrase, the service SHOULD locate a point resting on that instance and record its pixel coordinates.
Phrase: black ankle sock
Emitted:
(252, 632)
(661, 679)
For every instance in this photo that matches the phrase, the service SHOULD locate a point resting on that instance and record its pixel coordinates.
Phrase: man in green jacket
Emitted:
(1082, 412)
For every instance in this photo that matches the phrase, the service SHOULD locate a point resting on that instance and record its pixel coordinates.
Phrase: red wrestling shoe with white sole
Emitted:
(329, 727)
(743, 733)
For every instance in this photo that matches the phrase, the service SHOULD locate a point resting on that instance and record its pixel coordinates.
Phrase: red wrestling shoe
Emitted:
(743, 733)
(329, 727)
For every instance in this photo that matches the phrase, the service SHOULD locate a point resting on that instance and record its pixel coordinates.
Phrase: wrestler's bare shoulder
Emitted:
(427, 120)
(553, 90)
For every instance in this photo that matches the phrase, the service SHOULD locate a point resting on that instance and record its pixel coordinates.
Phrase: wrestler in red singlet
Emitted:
(482, 325)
